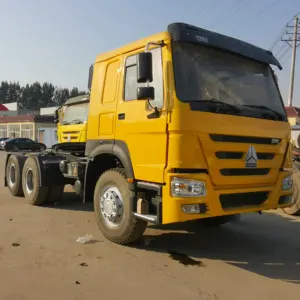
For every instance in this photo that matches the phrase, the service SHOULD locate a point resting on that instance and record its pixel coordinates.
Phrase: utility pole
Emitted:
(293, 42)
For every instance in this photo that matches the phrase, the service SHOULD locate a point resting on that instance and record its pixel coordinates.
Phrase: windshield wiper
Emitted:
(75, 121)
(65, 122)
(279, 115)
(213, 100)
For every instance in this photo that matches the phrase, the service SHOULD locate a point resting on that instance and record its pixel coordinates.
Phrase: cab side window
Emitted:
(131, 84)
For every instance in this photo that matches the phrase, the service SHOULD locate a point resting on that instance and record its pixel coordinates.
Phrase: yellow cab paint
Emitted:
(191, 147)
(181, 139)
(145, 138)
(72, 133)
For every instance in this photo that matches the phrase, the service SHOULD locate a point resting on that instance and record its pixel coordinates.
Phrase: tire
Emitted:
(295, 208)
(15, 148)
(14, 176)
(55, 194)
(218, 221)
(33, 192)
(42, 148)
(129, 229)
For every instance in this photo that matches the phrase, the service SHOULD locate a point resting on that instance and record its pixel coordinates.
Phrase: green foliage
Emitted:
(36, 95)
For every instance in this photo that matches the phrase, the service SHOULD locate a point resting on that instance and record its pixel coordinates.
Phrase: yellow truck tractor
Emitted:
(72, 120)
(187, 124)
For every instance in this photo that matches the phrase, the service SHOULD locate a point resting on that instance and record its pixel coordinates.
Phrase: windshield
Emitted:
(76, 113)
(203, 74)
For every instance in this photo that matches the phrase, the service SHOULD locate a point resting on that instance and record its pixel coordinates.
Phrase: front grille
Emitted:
(244, 172)
(229, 201)
(244, 139)
(229, 155)
(239, 155)
(265, 156)
(70, 132)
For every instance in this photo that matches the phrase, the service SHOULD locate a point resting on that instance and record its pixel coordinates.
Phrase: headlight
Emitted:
(187, 188)
(287, 183)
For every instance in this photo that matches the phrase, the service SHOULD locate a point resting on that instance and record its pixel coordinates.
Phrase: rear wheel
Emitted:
(295, 208)
(14, 176)
(113, 208)
(33, 192)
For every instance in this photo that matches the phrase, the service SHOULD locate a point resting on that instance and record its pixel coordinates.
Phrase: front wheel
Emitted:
(113, 208)
(294, 209)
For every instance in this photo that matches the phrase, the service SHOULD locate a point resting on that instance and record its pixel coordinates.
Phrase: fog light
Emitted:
(191, 208)
(287, 183)
(187, 188)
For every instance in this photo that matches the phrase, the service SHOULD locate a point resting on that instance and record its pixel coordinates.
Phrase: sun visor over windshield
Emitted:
(191, 34)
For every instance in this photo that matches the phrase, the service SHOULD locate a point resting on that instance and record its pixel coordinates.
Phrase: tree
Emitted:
(48, 90)
(36, 95)
(75, 92)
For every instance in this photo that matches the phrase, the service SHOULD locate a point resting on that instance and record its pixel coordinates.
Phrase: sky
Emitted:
(57, 40)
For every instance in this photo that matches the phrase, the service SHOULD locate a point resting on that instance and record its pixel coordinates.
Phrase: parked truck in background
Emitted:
(294, 209)
(183, 125)
(71, 120)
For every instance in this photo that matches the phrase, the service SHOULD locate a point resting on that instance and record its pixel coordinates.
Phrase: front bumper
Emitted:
(221, 201)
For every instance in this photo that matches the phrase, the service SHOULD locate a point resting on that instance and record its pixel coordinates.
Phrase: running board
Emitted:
(147, 218)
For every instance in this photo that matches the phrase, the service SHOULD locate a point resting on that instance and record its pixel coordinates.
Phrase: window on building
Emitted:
(3, 130)
(13, 130)
(27, 130)
(131, 83)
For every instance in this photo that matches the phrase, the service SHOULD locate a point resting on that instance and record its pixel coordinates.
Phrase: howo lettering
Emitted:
(183, 125)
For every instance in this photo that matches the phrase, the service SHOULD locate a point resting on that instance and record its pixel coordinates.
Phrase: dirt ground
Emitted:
(256, 258)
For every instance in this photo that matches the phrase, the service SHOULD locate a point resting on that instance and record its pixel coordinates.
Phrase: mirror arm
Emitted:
(155, 114)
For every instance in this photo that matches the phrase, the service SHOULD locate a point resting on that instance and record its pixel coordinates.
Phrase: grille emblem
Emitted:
(251, 158)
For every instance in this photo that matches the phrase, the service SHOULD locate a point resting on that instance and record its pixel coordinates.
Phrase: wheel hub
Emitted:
(29, 181)
(12, 175)
(111, 205)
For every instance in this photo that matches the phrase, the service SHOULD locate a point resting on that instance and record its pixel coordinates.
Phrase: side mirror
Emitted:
(145, 93)
(144, 67)
(91, 71)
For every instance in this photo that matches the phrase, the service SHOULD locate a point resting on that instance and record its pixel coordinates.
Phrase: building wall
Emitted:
(48, 110)
(39, 126)
(48, 136)
(25, 129)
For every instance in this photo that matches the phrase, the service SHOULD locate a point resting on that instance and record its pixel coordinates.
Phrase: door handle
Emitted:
(121, 116)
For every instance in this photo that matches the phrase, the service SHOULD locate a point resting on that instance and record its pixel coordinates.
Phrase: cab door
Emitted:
(145, 138)
(103, 104)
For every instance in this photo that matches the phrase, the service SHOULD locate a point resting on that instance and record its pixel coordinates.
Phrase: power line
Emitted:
(278, 39)
(284, 52)
(259, 13)
(187, 8)
(238, 4)
(210, 8)
(279, 51)
(292, 38)
(267, 8)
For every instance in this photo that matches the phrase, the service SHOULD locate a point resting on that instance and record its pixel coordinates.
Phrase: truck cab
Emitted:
(183, 125)
(72, 120)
